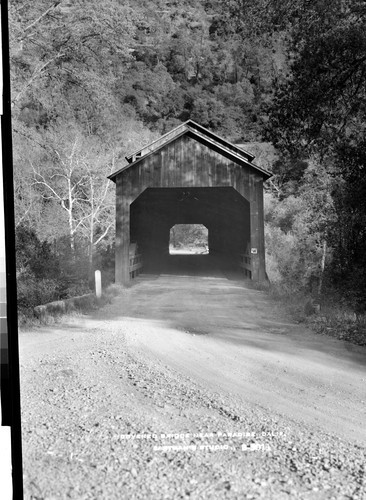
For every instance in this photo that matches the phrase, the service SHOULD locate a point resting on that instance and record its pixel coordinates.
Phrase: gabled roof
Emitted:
(196, 131)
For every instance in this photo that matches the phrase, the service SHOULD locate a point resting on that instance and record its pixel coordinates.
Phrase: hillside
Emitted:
(93, 81)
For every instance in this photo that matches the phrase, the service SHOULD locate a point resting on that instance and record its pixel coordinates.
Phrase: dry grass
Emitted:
(327, 316)
(340, 322)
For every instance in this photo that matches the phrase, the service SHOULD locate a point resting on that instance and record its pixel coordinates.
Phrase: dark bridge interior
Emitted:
(222, 210)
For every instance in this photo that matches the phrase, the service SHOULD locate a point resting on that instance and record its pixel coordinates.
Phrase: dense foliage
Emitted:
(93, 81)
(319, 115)
(189, 237)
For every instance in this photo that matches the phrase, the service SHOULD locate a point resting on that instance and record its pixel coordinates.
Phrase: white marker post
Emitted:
(98, 284)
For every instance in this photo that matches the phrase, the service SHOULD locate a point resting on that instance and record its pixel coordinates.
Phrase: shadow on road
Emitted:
(227, 311)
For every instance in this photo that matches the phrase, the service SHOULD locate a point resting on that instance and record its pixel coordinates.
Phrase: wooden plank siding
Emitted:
(187, 162)
(124, 229)
(119, 226)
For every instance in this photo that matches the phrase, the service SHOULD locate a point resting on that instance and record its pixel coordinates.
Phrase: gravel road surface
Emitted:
(191, 387)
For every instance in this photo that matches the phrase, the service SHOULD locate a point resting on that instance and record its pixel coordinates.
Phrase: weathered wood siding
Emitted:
(184, 163)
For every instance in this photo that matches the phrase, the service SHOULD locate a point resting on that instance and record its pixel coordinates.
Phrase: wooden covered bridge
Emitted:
(189, 176)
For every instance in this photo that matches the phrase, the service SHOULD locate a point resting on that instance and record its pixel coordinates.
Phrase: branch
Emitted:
(31, 139)
(97, 212)
(44, 183)
(351, 108)
(21, 218)
(36, 73)
(56, 4)
(48, 187)
(274, 186)
(99, 207)
(58, 175)
(103, 235)
(80, 222)
(81, 182)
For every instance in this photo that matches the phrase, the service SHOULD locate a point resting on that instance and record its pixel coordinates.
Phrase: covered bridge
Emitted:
(190, 176)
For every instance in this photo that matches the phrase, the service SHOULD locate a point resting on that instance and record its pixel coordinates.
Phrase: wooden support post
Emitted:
(257, 229)
(261, 242)
(125, 262)
(125, 251)
(122, 261)
(118, 243)
(253, 247)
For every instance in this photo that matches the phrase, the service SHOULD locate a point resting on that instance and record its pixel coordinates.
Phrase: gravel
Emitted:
(102, 420)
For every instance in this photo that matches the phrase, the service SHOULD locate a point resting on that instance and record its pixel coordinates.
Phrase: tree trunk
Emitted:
(322, 268)
(71, 225)
(91, 260)
(72, 236)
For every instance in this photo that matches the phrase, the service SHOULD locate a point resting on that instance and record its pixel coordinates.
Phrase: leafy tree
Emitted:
(320, 109)
(38, 270)
(299, 230)
(322, 103)
(65, 59)
(189, 235)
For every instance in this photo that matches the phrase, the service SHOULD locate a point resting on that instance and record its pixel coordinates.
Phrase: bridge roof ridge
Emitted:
(200, 132)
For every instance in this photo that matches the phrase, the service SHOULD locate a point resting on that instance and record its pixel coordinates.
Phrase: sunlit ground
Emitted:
(184, 250)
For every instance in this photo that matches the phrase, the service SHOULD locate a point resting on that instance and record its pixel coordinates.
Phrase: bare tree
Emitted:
(76, 179)
(98, 211)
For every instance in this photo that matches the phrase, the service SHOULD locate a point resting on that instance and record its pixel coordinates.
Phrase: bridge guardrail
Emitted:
(136, 265)
(245, 264)
(136, 261)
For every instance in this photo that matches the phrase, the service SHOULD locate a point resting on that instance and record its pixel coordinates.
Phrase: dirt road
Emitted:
(191, 387)
(232, 339)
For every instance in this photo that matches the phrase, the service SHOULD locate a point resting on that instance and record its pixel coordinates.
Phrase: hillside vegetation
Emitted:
(93, 81)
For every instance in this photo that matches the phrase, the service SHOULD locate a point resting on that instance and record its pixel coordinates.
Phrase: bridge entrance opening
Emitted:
(222, 212)
(188, 239)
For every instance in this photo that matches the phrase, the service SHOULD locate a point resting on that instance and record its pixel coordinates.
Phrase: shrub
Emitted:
(32, 291)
